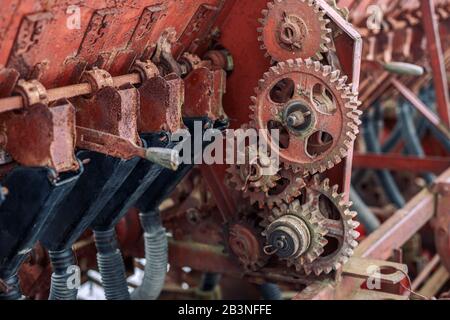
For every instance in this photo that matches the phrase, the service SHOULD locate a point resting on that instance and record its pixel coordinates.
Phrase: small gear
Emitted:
(295, 233)
(338, 220)
(314, 111)
(254, 178)
(294, 29)
(243, 240)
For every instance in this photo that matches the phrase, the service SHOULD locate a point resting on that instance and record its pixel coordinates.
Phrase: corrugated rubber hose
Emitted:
(110, 265)
(270, 291)
(60, 282)
(156, 257)
(13, 289)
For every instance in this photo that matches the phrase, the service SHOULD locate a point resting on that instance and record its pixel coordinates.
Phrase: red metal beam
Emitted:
(434, 47)
(401, 163)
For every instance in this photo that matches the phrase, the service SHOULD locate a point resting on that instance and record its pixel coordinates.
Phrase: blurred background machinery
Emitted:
(93, 192)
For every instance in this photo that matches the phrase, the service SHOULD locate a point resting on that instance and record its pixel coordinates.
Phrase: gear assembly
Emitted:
(95, 185)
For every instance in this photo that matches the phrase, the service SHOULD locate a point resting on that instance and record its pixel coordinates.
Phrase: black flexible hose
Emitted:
(412, 140)
(110, 265)
(270, 291)
(13, 292)
(60, 288)
(156, 256)
(209, 281)
(365, 215)
(385, 176)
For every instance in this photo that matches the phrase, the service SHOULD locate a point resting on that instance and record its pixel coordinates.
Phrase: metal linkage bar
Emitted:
(422, 108)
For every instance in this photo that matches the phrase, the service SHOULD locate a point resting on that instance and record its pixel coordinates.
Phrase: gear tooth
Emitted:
(330, 164)
(344, 260)
(351, 135)
(352, 214)
(334, 189)
(335, 75)
(309, 62)
(327, 269)
(337, 266)
(355, 234)
(317, 66)
(353, 244)
(290, 63)
(327, 70)
(326, 184)
(310, 257)
(318, 271)
(261, 83)
(276, 211)
(307, 269)
(349, 252)
(274, 71)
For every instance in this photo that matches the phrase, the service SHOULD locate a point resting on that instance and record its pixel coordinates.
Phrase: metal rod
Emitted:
(80, 89)
(425, 273)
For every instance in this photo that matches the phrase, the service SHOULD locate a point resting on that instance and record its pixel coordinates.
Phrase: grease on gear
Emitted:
(315, 111)
(294, 29)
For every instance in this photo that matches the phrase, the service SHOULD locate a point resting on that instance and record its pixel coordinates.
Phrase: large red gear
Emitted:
(317, 117)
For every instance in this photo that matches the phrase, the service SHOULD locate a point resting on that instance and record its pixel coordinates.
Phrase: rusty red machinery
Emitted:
(350, 201)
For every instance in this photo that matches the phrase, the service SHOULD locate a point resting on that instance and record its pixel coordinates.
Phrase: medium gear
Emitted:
(272, 191)
(338, 220)
(287, 188)
(243, 240)
(295, 233)
(317, 237)
(313, 108)
(294, 29)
